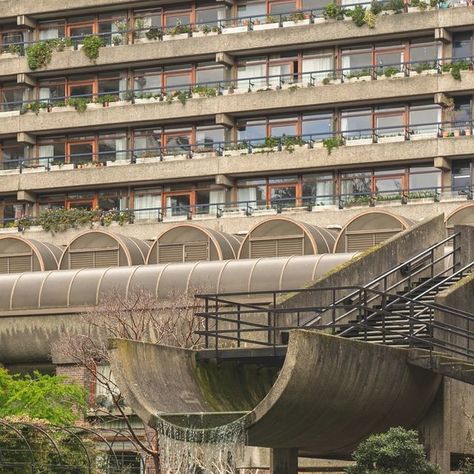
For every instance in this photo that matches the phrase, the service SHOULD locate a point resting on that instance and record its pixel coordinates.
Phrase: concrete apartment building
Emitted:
(225, 111)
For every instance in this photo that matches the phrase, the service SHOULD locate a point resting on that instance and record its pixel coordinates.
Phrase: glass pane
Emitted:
(173, 19)
(427, 53)
(317, 127)
(209, 139)
(147, 143)
(177, 144)
(258, 9)
(389, 187)
(12, 156)
(356, 63)
(424, 120)
(11, 99)
(210, 77)
(81, 205)
(356, 184)
(112, 149)
(255, 132)
(462, 45)
(285, 7)
(461, 175)
(78, 32)
(178, 205)
(209, 16)
(109, 86)
(146, 84)
(320, 187)
(357, 126)
(280, 71)
(389, 125)
(83, 90)
(283, 195)
(178, 82)
(420, 181)
(392, 60)
(316, 4)
(81, 153)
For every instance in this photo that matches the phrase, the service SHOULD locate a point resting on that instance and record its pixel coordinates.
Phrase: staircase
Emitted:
(408, 312)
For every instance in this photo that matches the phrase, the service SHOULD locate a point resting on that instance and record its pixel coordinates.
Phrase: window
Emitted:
(423, 119)
(462, 45)
(390, 122)
(147, 203)
(81, 152)
(318, 187)
(462, 111)
(51, 30)
(357, 123)
(389, 184)
(356, 184)
(112, 148)
(313, 4)
(12, 154)
(147, 83)
(423, 52)
(209, 138)
(423, 177)
(389, 57)
(54, 89)
(252, 191)
(178, 204)
(317, 127)
(177, 78)
(462, 175)
(13, 37)
(146, 19)
(109, 200)
(252, 9)
(281, 6)
(11, 97)
(252, 130)
(173, 18)
(251, 73)
(356, 61)
(147, 142)
(210, 16)
(52, 151)
(112, 84)
(177, 142)
(283, 127)
(316, 66)
(209, 74)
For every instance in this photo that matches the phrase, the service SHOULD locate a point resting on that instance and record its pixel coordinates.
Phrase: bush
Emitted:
(358, 15)
(333, 11)
(398, 451)
(91, 46)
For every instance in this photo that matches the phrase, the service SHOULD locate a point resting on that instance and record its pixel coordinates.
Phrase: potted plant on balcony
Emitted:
(206, 30)
(106, 99)
(203, 152)
(179, 31)
(269, 145)
(60, 165)
(203, 91)
(242, 27)
(236, 149)
(297, 18)
(271, 23)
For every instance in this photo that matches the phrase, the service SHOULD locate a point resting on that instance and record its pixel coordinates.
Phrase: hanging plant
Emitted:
(79, 103)
(91, 46)
(331, 143)
(39, 55)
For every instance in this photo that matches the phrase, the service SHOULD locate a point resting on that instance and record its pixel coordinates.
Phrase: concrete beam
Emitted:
(26, 196)
(225, 59)
(24, 20)
(26, 79)
(223, 180)
(442, 163)
(24, 137)
(284, 461)
(225, 119)
(443, 99)
(443, 35)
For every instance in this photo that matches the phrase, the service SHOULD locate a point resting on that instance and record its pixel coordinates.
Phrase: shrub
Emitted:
(395, 452)
(376, 7)
(370, 18)
(331, 143)
(395, 5)
(358, 15)
(91, 46)
(333, 11)
(39, 54)
(79, 103)
(154, 34)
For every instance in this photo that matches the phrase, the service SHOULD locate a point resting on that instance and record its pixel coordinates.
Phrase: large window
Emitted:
(356, 123)
(11, 153)
(319, 188)
(462, 175)
(462, 45)
(11, 97)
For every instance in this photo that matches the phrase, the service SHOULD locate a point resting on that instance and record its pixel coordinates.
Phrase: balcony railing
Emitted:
(185, 92)
(219, 149)
(335, 201)
(125, 35)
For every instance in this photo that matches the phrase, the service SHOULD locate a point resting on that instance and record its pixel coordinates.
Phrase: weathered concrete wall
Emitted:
(449, 427)
(375, 261)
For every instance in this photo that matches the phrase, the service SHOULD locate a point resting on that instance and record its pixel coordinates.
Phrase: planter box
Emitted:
(306, 21)
(11, 113)
(175, 157)
(234, 29)
(64, 167)
(119, 103)
(359, 141)
(67, 108)
(290, 86)
(319, 19)
(175, 37)
(36, 169)
(150, 159)
(8, 56)
(244, 151)
(118, 163)
(429, 72)
(145, 101)
(265, 149)
(94, 106)
(208, 154)
(200, 34)
(266, 26)
(142, 40)
(422, 136)
(7, 172)
(396, 138)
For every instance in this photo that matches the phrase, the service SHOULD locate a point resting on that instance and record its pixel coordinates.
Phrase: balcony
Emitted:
(130, 107)
(356, 148)
(250, 34)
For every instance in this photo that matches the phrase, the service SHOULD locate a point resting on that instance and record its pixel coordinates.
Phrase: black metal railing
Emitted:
(362, 312)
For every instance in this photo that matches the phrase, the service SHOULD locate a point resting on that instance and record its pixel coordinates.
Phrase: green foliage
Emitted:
(35, 107)
(358, 15)
(106, 99)
(204, 91)
(179, 29)
(333, 11)
(397, 451)
(16, 49)
(376, 7)
(456, 68)
(331, 143)
(154, 34)
(467, 466)
(79, 103)
(41, 396)
(289, 143)
(395, 5)
(370, 18)
(297, 16)
(269, 142)
(424, 67)
(91, 46)
(390, 71)
(39, 55)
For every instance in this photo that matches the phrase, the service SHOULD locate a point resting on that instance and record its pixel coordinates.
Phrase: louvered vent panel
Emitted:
(4, 265)
(20, 264)
(170, 253)
(289, 247)
(196, 252)
(450, 231)
(106, 258)
(357, 242)
(263, 248)
(381, 236)
(81, 260)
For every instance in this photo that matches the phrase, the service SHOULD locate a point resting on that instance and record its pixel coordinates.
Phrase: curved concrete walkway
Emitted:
(330, 394)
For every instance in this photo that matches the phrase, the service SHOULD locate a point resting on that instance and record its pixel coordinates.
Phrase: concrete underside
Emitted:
(330, 393)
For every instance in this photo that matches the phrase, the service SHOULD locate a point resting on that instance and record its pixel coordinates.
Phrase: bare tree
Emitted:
(140, 317)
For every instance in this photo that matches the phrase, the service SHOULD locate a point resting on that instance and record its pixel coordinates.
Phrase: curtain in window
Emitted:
(250, 71)
(315, 65)
(50, 33)
(245, 195)
(45, 152)
(147, 201)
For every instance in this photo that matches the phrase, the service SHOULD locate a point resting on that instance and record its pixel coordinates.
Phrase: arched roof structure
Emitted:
(99, 248)
(18, 254)
(186, 242)
(282, 236)
(369, 228)
(461, 215)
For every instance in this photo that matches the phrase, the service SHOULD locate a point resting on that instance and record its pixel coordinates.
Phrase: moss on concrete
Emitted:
(234, 386)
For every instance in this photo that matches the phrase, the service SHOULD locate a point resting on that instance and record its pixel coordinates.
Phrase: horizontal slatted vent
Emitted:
(450, 231)
(81, 260)
(289, 247)
(381, 236)
(263, 248)
(170, 253)
(195, 252)
(16, 264)
(106, 258)
(357, 242)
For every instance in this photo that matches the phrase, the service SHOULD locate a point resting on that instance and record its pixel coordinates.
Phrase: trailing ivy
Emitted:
(91, 46)
(331, 143)
(39, 54)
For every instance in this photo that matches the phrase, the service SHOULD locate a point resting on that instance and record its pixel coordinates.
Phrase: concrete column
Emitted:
(284, 461)
(466, 242)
